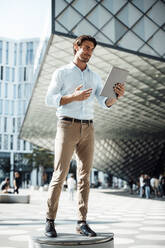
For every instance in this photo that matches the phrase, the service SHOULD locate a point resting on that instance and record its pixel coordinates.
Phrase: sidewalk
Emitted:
(136, 223)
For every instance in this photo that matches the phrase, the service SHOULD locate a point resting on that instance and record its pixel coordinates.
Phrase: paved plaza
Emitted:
(135, 222)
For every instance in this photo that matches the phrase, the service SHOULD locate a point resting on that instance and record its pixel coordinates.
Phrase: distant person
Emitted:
(17, 182)
(5, 186)
(130, 183)
(141, 184)
(156, 187)
(162, 185)
(71, 183)
(65, 185)
(152, 184)
(147, 186)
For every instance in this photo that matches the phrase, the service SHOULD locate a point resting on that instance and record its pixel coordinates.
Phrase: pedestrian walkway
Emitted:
(135, 222)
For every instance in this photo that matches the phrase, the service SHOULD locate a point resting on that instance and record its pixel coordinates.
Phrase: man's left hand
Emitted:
(119, 89)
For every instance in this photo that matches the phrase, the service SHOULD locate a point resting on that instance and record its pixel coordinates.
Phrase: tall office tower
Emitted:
(16, 83)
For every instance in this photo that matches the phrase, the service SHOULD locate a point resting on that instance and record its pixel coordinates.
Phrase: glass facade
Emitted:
(129, 25)
(14, 93)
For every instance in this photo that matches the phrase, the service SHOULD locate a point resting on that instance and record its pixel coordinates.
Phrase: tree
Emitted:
(41, 159)
(4, 167)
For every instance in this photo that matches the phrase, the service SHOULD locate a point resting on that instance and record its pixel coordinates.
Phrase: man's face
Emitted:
(84, 52)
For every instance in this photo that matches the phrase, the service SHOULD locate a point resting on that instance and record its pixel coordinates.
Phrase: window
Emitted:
(27, 90)
(15, 54)
(1, 106)
(12, 107)
(11, 142)
(1, 44)
(18, 123)
(7, 73)
(20, 53)
(31, 147)
(1, 72)
(24, 145)
(6, 107)
(19, 108)
(13, 74)
(13, 122)
(0, 141)
(19, 91)
(18, 144)
(29, 53)
(20, 74)
(25, 74)
(7, 53)
(6, 90)
(24, 107)
(14, 91)
(5, 124)
(6, 142)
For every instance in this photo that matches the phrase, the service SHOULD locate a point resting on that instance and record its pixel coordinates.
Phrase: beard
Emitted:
(84, 59)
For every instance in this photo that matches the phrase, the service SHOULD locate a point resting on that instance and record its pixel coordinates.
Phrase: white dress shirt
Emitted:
(64, 82)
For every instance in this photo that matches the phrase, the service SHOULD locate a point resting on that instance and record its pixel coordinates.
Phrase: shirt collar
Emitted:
(76, 67)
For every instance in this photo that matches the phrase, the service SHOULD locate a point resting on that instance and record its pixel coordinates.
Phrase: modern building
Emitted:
(130, 137)
(16, 84)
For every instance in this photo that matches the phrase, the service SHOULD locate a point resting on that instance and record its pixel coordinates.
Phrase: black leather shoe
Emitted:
(85, 230)
(50, 229)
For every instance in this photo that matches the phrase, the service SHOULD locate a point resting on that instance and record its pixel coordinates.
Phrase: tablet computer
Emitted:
(116, 75)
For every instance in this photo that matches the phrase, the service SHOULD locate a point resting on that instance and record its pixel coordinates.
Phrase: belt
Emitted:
(75, 120)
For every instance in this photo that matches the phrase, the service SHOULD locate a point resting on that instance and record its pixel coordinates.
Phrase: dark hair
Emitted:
(79, 40)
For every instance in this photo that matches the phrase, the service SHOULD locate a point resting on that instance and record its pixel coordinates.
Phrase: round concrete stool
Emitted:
(103, 240)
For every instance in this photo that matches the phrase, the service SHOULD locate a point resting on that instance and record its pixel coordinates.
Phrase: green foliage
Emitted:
(40, 157)
(5, 165)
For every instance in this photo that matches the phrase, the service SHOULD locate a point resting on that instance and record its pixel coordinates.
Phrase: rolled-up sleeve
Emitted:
(101, 99)
(53, 96)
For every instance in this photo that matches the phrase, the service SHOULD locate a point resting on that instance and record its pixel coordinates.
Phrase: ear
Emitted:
(76, 47)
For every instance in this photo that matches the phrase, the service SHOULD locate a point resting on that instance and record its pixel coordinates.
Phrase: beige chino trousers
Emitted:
(71, 136)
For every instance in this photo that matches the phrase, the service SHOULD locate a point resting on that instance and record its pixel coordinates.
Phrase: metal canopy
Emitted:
(130, 132)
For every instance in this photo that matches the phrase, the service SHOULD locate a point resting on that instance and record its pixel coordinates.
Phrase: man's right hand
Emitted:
(80, 95)
(77, 95)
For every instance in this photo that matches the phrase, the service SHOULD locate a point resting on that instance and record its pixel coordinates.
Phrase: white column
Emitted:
(11, 168)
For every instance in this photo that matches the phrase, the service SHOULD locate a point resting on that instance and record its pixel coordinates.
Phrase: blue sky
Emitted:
(23, 18)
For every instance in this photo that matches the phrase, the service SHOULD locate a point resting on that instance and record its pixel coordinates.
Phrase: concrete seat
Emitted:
(103, 240)
(12, 198)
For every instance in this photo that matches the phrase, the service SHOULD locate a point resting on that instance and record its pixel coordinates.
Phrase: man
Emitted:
(72, 91)
(5, 186)
(17, 182)
(141, 184)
